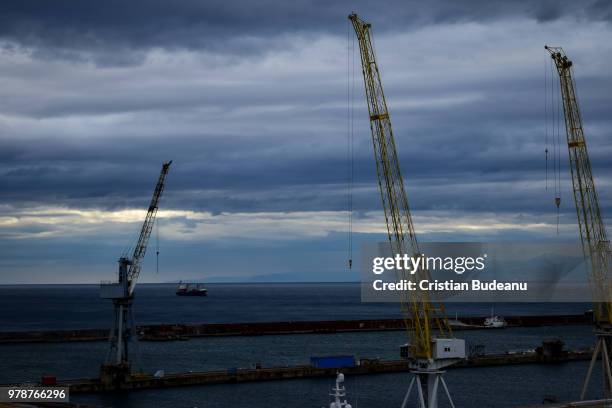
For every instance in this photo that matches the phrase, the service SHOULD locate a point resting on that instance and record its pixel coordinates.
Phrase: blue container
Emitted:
(332, 361)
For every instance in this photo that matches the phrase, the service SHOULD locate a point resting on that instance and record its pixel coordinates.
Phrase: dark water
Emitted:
(477, 387)
(24, 362)
(54, 307)
(493, 387)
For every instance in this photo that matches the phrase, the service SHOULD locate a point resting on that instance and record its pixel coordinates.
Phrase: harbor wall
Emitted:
(240, 375)
(169, 332)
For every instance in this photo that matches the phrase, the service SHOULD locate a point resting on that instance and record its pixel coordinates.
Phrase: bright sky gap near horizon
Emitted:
(95, 97)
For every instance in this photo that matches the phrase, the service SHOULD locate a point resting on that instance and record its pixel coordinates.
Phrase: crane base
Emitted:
(603, 348)
(114, 375)
(427, 386)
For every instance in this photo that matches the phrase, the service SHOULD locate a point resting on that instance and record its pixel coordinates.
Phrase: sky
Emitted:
(250, 100)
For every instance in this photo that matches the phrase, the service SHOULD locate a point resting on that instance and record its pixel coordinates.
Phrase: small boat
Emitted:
(190, 289)
(495, 322)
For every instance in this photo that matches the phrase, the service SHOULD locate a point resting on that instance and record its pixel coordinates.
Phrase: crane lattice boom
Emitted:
(147, 227)
(595, 244)
(420, 313)
(123, 332)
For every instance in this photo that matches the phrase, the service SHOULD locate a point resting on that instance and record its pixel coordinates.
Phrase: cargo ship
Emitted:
(186, 289)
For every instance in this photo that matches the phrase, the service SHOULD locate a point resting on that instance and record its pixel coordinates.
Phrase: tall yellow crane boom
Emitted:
(400, 229)
(420, 313)
(595, 244)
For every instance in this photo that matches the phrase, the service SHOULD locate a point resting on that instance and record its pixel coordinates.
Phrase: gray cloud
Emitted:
(117, 32)
(249, 100)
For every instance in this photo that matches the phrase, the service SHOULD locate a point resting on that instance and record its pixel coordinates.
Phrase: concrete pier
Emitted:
(239, 375)
(170, 332)
(578, 404)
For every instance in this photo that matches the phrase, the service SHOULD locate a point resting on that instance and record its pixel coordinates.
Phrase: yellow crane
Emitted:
(595, 244)
(426, 353)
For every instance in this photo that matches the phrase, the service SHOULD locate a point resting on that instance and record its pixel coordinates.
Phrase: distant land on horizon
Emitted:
(202, 281)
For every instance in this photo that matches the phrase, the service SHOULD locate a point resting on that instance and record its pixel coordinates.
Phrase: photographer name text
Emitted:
(448, 285)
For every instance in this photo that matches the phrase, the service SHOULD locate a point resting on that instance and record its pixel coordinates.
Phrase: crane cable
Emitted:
(350, 130)
(157, 246)
(553, 115)
(558, 189)
(546, 116)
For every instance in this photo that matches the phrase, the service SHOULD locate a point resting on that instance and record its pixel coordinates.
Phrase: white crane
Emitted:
(117, 366)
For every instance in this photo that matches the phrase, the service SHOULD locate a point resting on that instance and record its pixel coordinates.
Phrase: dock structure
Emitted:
(243, 375)
(169, 332)
(605, 403)
(43, 405)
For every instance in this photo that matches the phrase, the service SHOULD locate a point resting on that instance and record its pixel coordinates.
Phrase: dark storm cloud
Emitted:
(249, 100)
(446, 166)
(116, 32)
(275, 141)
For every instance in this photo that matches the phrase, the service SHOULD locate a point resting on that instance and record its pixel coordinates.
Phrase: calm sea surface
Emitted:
(78, 306)
(53, 307)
